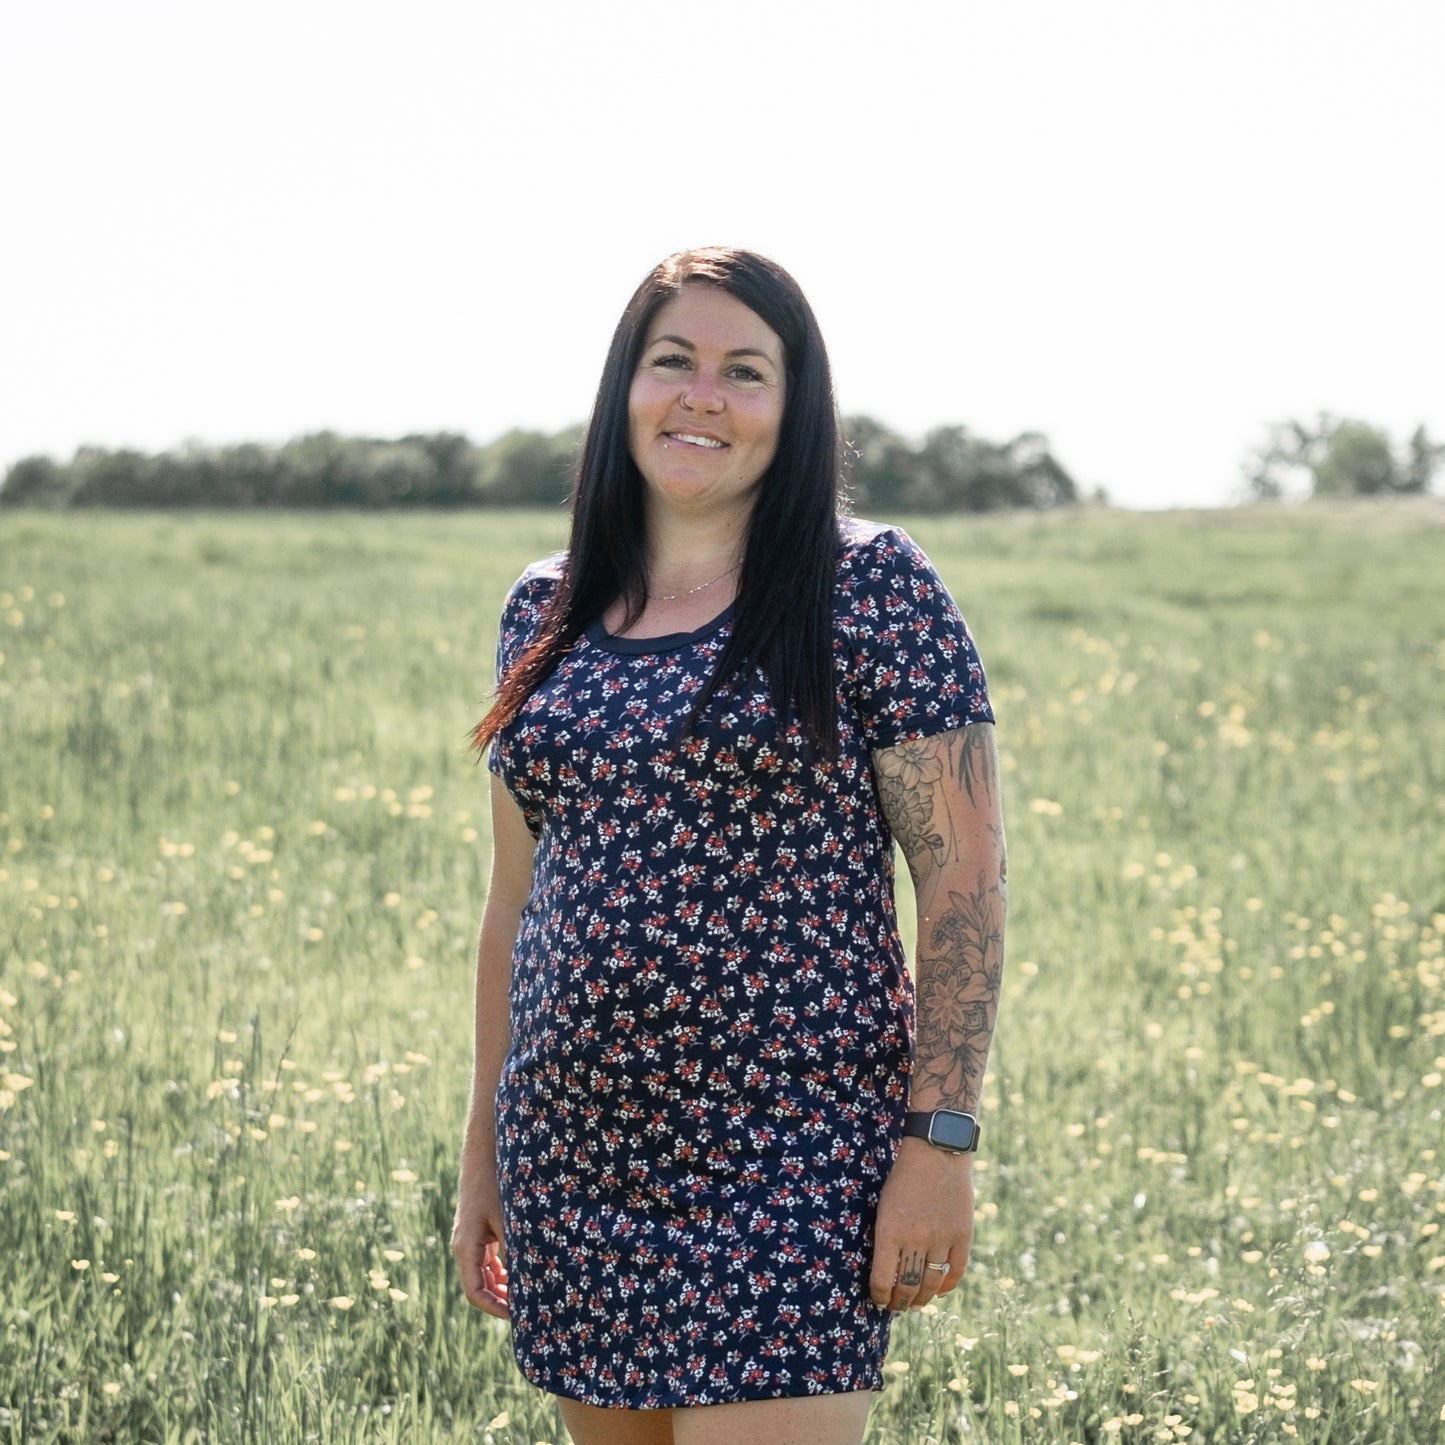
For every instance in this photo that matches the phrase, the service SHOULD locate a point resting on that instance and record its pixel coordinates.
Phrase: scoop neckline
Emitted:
(599, 636)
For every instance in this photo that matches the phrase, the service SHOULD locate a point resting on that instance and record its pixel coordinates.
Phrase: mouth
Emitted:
(692, 439)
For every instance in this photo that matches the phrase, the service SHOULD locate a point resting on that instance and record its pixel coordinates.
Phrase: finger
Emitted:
(494, 1270)
(949, 1282)
(488, 1293)
(946, 1283)
(883, 1277)
(494, 1300)
(472, 1269)
(925, 1292)
(483, 1276)
(928, 1285)
(909, 1283)
(935, 1281)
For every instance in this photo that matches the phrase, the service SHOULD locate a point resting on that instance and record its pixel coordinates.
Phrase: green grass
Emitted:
(240, 877)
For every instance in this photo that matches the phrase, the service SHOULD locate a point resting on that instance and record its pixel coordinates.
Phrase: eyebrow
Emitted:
(737, 351)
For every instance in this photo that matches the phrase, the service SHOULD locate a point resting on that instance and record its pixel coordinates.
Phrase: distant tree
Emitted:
(1341, 458)
(391, 474)
(1355, 461)
(1422, 461)
(1043, 480)
(527, 468)
(454, 461)
(952, 471)
(36, 482)
(1289, 449)
(115, 479)
(311, 470)
(879, 466)
(235, 476)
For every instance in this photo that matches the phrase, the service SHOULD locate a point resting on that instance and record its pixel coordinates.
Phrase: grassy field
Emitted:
(243, 859)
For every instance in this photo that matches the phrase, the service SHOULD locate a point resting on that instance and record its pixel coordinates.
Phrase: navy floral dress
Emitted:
(711, 1010)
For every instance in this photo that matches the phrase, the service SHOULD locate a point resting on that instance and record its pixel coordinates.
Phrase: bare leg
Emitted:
(588, 1425)
(807, 1420)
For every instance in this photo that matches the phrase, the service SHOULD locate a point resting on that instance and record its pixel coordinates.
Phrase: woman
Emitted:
(707, 1136)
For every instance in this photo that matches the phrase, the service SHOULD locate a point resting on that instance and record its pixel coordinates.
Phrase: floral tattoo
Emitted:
(940, 796)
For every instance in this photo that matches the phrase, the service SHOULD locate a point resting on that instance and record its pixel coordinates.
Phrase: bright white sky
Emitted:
(1143, 227)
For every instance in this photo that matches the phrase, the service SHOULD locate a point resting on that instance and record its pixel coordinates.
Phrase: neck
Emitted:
(692, 574)
(683, 556)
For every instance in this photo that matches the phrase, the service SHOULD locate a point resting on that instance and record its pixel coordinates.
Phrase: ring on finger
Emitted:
(941, 1268)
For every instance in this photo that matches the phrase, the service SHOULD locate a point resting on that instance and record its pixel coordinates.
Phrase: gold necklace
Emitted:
(701, 586)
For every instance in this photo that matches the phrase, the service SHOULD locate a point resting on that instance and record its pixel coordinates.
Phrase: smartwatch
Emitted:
(946, 1129)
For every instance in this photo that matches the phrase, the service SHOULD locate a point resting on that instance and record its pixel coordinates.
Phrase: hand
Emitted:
(925, 1216)
(479, 1252)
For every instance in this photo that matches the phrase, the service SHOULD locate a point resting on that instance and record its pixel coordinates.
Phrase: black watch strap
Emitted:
(948, 1129)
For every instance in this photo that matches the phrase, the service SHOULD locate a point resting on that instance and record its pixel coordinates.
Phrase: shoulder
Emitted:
(857, 536)
(878, 560)
(526, 603)
(543, 574)
(913, 668)
(536, 584)
(878, 547)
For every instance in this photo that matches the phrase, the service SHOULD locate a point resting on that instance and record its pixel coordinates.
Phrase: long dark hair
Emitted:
(782, 621)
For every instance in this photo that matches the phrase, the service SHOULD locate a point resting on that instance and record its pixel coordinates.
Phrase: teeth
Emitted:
(683, 436)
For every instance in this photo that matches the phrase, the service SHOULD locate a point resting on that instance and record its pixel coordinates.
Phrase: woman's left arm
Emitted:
(940, 796)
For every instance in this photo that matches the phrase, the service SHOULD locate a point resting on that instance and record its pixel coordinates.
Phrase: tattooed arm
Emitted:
(940, 796)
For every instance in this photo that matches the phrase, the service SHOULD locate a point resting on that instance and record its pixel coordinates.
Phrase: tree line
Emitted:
(1338, 457)
(950, 470)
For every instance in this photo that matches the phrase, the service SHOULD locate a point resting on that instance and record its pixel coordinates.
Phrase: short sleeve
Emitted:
(522, 614)
(916, 671)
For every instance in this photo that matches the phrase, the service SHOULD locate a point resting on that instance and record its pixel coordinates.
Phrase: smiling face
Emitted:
(706, 402)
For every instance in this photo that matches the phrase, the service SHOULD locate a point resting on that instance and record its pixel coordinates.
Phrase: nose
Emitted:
(702, 393)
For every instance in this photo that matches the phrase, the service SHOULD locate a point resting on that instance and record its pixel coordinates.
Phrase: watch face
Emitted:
(958, 1132)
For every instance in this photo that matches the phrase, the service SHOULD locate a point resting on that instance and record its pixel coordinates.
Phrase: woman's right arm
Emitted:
(477, 1229)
